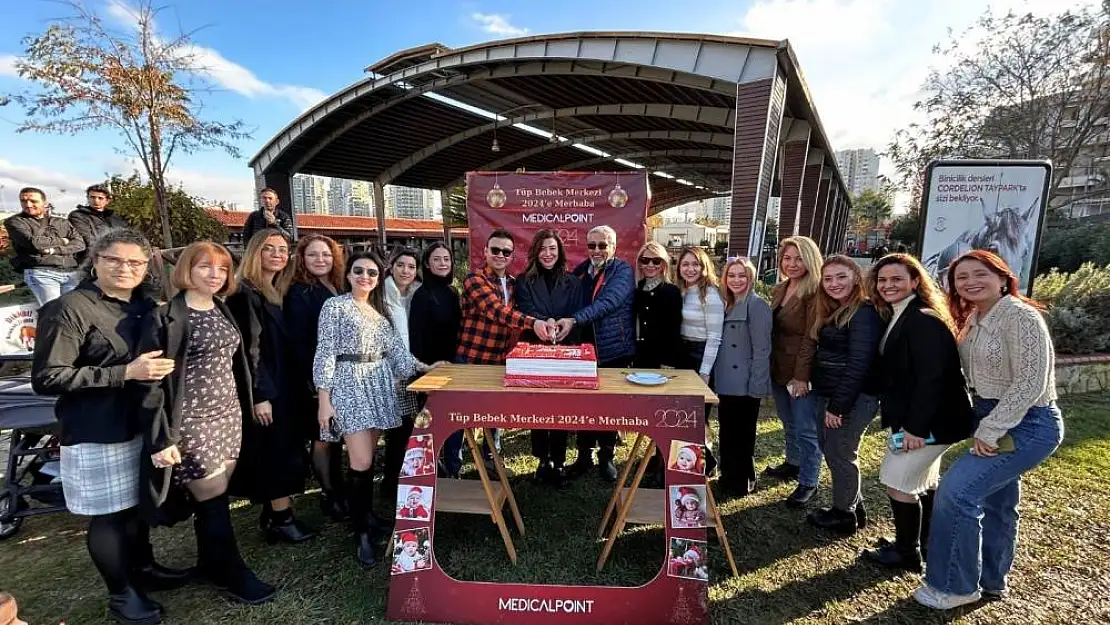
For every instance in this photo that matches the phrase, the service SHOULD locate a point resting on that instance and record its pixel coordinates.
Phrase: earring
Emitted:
(92, 272)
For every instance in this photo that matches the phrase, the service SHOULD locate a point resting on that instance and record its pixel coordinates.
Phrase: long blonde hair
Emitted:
(927, 290)
(251, 267)
(660, 251)
(727, 296)
(811, 258)
(831, 311)
(708, 277)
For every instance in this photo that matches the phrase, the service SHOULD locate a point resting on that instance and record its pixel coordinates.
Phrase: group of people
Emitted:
(251, 377)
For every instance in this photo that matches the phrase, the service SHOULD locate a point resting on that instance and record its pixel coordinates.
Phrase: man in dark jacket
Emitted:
(92, 220)
(268, 216)
(44, 247)
(609, 289)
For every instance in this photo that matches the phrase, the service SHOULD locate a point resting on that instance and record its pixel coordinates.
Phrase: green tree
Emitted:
(135, 201)
(906, 228)
(86, 77)
(454, 207)
(872, 208)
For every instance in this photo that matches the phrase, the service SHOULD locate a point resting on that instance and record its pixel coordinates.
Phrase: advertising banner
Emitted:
(984, 204)
(420, 590)
(571, 203)
(17, 329)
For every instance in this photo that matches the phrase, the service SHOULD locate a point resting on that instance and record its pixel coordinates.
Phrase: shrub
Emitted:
(1078, 308)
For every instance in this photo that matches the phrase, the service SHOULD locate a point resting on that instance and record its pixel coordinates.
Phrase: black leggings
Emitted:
(118, 543)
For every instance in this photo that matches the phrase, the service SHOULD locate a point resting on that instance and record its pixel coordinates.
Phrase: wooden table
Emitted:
(487, 496)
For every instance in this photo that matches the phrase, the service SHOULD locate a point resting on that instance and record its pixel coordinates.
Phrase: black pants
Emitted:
(550, 445)
(737, 416)
(606, 442)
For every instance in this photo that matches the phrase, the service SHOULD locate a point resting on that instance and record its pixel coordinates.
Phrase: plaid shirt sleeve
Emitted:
(488, 324)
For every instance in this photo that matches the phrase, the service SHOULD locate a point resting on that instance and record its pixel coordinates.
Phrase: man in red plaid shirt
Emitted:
(489, 327)
(489, 322)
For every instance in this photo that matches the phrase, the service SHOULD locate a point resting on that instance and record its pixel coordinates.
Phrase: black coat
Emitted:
(90, 224)
(302, 319)
(271, 462)
(47, 241)
(435, 318)
(559, 301)
(256, 222)
(845, 363)
(167, 328)
(923, 387)
(658, 324)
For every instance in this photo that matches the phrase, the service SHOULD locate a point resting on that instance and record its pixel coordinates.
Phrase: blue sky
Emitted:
(864, 60)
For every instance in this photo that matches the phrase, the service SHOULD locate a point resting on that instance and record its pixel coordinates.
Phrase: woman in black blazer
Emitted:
(547, 291)
(193, 417)
(316, 277)
(658, 306)
(271, 465)
(924, 399)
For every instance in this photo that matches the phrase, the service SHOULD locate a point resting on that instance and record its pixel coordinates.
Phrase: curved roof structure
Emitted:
(577, 101)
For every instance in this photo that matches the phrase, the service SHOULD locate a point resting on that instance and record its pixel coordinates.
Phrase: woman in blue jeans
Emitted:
(1008, 356)
(794, 304)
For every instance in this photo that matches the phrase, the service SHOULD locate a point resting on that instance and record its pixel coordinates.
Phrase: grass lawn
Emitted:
(790, 573)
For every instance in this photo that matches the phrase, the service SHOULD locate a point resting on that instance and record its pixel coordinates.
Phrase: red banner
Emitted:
(571, 203)
(420, 590)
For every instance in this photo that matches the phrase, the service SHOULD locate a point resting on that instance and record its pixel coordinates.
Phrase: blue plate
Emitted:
(646, 378)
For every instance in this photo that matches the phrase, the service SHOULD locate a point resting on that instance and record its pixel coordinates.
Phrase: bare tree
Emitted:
(88, 76)
(1016, 86)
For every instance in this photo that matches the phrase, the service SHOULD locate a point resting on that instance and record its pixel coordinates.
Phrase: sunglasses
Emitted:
(501, 251)
(598, 246)
(644, 260)
(369, 271)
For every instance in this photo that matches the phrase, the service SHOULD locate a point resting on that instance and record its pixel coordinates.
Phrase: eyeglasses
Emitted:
(115, 262)
(275, 251)
(598, 246)
(644, 260)
(501, 251)
(369, 271)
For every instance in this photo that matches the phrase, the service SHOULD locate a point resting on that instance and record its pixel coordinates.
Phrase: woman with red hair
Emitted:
(1008, 357)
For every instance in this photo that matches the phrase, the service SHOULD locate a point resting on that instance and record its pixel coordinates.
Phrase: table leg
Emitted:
(625, 470)
(626, 505)
(721, 536)
(504, 477)
(494, 505)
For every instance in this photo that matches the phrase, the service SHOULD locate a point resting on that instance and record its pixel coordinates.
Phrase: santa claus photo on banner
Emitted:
(689, 506)
(419, 457)
(412, 551)
(687, 457)
(687, 559)
(414, 503)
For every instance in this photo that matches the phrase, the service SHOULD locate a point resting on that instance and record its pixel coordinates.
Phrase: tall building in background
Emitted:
(718, 209)
(362, 199)
(860, 168)
(339, 197)
(412, 203)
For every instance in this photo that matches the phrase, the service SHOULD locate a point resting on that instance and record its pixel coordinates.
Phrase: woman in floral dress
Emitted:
(359, 355)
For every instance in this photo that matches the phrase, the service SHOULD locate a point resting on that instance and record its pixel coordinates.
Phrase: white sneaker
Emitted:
(932, 598)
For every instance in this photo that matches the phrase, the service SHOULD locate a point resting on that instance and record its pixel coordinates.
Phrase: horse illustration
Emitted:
(1003, 232)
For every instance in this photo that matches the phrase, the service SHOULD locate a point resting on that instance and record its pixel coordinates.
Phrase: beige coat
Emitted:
(792, 347)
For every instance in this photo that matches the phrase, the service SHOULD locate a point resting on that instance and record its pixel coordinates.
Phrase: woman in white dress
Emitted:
(359, 357)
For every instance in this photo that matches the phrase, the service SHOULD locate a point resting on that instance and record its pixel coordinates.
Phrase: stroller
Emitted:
(32, 466)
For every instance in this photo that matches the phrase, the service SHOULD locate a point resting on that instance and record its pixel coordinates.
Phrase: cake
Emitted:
(552, 366)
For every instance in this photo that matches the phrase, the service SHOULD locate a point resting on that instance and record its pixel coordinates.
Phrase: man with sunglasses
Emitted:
(489, 324)
(607, 320)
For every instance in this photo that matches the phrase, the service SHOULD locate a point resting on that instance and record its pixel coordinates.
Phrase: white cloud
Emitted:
(498, 25)
(213, 187)
(818, 23)
(227, 73)
(7, 65)
(64, 191)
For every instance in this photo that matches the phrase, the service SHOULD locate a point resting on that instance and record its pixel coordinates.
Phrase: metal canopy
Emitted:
(666, 102)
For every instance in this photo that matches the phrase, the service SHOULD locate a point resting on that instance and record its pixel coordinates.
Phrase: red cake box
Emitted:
(551, 366)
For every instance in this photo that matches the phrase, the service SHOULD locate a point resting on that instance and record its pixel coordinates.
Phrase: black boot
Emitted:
(282, 526)
(784, 471)
(131, 607)
(218, 559)
(904, 552)
(710, 462)
(361, 502)
(861, 516)
(927, 498)
(833, 519)
(333, 506)
(148, 574)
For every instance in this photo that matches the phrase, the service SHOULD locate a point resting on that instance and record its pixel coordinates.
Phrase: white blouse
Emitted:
(703, 322)
(398, 307)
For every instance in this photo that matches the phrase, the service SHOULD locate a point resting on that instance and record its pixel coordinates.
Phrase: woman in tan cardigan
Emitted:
(794, 301)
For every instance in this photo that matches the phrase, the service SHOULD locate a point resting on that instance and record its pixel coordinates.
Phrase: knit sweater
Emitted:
(1008, 355)
(703, 321)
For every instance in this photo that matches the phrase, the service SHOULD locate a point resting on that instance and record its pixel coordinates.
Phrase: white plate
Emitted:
(646, 379)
